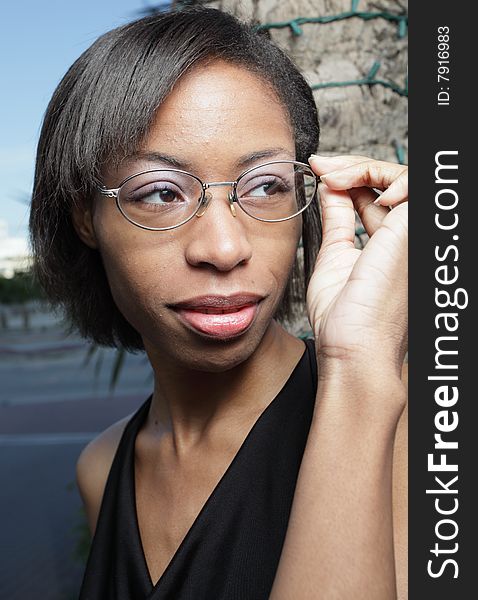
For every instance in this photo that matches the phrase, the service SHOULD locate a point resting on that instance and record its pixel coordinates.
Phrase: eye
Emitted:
(264, 186)
(157, 193)
(161, 195)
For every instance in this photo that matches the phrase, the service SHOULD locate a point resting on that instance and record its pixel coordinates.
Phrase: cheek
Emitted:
(129, 255)
(279, 249)
(140, 271)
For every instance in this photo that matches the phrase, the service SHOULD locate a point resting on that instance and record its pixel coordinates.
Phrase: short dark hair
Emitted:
(101, 111)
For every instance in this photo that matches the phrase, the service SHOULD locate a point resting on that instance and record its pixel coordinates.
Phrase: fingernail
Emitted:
(377, 200)
(319, 156)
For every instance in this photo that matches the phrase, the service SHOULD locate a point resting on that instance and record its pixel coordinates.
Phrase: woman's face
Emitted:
(173, 286)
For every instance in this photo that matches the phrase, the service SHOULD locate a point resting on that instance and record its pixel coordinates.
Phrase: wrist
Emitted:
(374, 362)
(368, 352)
(369, 388)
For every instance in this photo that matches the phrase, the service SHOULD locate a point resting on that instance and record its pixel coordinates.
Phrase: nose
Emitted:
(218, 236)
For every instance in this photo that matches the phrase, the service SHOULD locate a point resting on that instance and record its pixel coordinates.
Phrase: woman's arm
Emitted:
(339, 543)
(340, 539)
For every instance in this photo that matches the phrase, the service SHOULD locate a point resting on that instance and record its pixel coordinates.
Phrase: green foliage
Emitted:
(80, 531)
(83, 538)
(117, 365)
(21, 288)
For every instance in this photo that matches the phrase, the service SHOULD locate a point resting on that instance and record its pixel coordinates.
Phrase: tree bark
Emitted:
(367, 120)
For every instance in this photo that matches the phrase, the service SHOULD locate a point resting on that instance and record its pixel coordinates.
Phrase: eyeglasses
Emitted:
(162, 199)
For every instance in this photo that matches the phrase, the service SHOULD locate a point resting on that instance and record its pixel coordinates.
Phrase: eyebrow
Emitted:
(179, 163)
(247, 159)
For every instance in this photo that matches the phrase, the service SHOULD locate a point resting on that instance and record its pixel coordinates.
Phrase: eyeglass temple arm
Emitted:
(112, 193)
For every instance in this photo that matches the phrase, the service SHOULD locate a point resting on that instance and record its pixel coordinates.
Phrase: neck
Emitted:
(192, 404)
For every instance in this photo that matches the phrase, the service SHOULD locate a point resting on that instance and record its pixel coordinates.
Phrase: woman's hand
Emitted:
(343, 518)
(357, 299)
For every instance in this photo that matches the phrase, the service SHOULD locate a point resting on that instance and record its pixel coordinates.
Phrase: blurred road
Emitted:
(51, 405)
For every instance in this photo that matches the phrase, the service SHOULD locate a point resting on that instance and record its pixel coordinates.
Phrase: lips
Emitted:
(219, 316)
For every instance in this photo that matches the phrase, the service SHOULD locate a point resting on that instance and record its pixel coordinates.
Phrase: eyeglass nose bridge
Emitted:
(208, 196)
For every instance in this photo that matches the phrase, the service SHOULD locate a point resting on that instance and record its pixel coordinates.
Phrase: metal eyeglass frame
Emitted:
(206, 197)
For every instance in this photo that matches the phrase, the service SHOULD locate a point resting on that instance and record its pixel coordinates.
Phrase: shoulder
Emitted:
(400, 497)
(93, 466)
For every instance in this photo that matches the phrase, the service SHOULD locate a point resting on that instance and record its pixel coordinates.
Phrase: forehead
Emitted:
(217, 113)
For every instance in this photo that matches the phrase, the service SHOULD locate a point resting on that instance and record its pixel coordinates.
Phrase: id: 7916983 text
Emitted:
(443, 65)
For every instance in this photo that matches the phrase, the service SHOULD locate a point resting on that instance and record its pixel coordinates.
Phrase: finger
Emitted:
(396, 193)
(370, 214)
(390, 242)
(338, 217)
(371, 173)
(324, 164)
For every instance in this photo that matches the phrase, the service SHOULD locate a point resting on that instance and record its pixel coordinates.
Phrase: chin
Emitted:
(220, 355)
(193, 351)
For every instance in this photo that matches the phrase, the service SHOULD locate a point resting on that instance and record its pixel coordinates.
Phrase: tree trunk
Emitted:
(359, 119)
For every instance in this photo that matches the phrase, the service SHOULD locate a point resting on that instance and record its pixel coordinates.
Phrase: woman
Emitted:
(172, 190)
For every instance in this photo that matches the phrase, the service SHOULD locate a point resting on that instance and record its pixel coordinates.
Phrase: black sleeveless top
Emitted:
(232, 550)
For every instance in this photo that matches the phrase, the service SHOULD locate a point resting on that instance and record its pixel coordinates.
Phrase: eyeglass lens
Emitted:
(164, 198)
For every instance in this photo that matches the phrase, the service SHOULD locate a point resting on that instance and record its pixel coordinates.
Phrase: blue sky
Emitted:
(39, 41)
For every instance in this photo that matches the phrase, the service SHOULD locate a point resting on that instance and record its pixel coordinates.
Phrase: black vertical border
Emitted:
(436, 128)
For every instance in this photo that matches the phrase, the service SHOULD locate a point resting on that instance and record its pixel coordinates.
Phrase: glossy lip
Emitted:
(242, 309)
